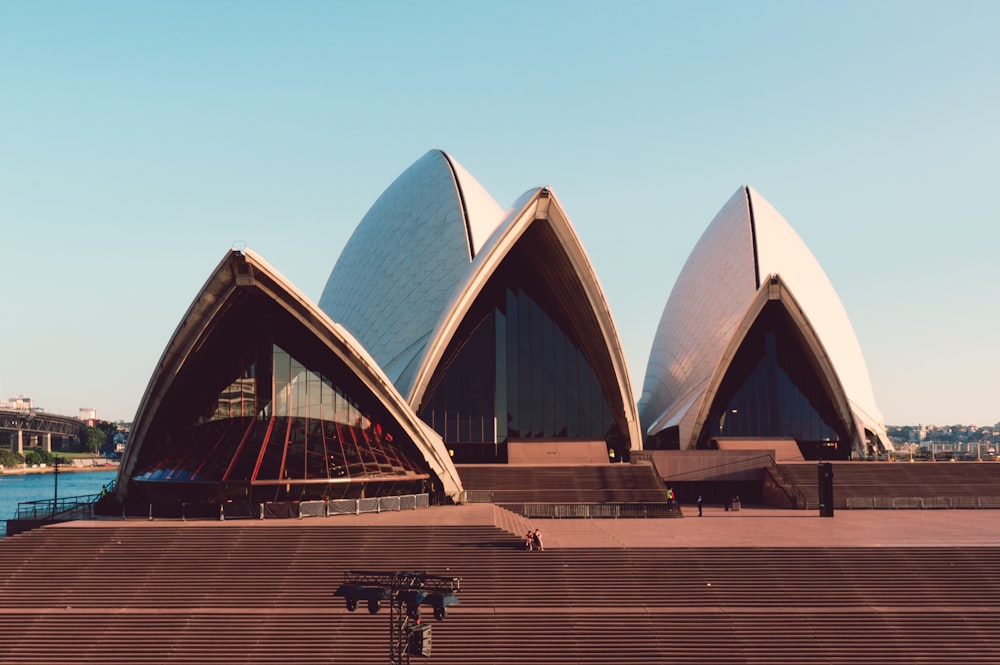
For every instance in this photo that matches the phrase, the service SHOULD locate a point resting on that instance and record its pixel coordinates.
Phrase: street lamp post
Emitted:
(55, 475)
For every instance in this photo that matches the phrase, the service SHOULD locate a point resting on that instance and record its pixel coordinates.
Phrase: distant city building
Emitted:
(120, 440)
(87, 415)
(21, 403)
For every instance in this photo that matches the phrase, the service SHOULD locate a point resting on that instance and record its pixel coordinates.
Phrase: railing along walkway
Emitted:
(595, 510)
(901, 485)
(923, 502)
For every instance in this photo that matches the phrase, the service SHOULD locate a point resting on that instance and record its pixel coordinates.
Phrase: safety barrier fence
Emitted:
(577, 510)
(477, 496)
(595, 510)
(301, 509)
(922, 502)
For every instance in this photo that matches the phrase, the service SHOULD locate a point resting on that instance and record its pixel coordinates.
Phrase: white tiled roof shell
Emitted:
(404, 260)
(712, 291)
(711, 297)
(534, 205)
(781, 251)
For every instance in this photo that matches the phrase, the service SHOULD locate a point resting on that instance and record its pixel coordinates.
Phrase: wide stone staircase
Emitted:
(902, 484)
(607, 483)
(143, 592)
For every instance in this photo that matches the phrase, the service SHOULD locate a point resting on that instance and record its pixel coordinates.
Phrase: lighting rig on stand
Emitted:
(406, 593)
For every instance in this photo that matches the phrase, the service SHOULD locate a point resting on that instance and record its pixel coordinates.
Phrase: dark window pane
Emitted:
(771, 389)
(572, 392)
(274, 451)
(520, 376)
(500, 397)
(282, 377)
(547, 362)
(524, 364)
(559, 383)
(537, 402)
(513, 385)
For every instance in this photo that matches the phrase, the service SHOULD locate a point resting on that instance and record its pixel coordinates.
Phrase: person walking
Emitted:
(699, 505)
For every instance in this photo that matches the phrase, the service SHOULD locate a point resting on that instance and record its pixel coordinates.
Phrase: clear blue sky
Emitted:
(140, 141)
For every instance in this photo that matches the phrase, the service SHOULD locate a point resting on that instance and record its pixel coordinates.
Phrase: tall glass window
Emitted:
(515, 361)
(237, 400)
(772, 390)
(314, 429)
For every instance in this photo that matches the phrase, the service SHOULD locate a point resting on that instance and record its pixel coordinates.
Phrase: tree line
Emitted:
(98, 439)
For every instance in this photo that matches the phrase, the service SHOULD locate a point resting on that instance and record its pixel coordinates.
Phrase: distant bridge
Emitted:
(30, 429)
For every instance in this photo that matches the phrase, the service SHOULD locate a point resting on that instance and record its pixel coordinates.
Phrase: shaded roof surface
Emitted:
(406, 257)
(423, 253)
(747, 241)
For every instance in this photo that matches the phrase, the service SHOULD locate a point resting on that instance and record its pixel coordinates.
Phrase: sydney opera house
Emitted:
(462, 358)
(453, 331)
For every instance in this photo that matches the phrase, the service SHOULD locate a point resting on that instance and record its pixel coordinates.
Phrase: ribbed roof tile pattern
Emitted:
(405, 258)
(747, 241)
(712, 291)
(482, 212)
(782, 251)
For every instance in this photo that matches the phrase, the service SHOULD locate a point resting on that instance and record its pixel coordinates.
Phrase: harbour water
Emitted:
(15, 488)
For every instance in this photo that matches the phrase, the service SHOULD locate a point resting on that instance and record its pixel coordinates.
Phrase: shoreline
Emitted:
(63, 468)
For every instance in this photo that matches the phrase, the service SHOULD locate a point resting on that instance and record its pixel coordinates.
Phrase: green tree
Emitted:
(38, 456)
(109, 429)
(10, 459)
(91, 439)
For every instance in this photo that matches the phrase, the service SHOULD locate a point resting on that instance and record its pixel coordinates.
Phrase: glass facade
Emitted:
(515, 372)
(297, 435)
(772, 390)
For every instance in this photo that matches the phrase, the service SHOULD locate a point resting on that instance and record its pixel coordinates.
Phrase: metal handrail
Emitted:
(64, 508)
(785, 483)
(921, 502)
(594, 510)
(740, 464)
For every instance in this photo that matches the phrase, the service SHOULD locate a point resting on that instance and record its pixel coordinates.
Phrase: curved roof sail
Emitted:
(406, 257)
(425, 251)
(746, 246)
(259, 391)
(539, 230)
(782, 251)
